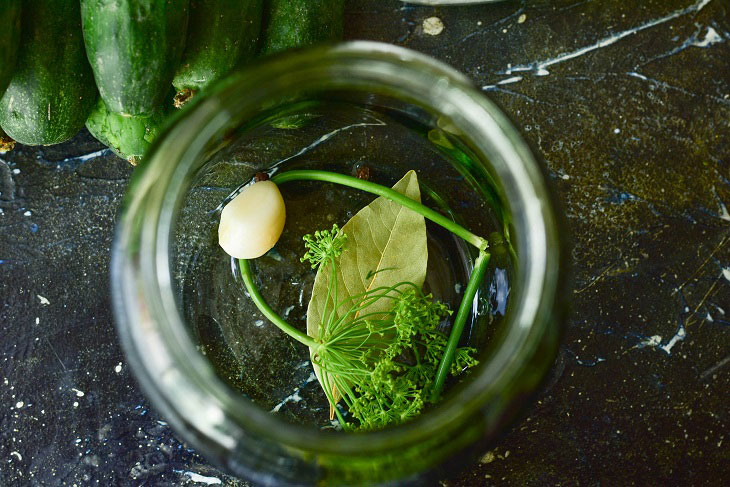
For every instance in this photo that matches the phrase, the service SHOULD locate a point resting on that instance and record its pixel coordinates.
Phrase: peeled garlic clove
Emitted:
(252, 222)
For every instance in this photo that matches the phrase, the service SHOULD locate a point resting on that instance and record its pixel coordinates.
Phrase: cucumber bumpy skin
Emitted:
(9, 40)
(221, 35)
(299, 23)
(134, 47)
(52, 89)
(128, 137)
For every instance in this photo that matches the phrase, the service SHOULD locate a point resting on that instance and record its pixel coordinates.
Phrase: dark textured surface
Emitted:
(633, 123)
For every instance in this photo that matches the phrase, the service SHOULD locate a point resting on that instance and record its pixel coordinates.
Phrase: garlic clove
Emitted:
(252, 222)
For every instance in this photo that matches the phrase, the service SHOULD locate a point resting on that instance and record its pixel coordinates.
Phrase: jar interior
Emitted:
(350, 133)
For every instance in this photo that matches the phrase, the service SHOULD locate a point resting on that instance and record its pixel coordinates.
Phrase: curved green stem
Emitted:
(263, 306)
(380, 190)
(480, 267)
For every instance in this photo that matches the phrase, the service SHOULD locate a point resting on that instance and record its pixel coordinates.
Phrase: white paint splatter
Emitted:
(294, 396)
(724, 215)
(637, 75)
(196, 477)
(44, 301)
(678, 337)
(87, 157)
(726, 273)
(513, 79)
(652, 341)
(539, 67)
(78, 392)
(711, 37)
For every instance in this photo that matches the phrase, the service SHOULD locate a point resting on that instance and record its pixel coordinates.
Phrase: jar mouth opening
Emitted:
(150, 324)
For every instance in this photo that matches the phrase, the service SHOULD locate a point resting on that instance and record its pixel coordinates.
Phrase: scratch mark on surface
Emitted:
(704, 299)
(585, 363)
(324, 138)
(709, 257)
(596, 279)
(496, 23)
(497, 89)
(704, 375)
(540, 67)
(56, 354)
(667, 86)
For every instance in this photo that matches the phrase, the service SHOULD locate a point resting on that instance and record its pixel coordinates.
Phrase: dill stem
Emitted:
(477, 274)
(269, 313)
(380, 190)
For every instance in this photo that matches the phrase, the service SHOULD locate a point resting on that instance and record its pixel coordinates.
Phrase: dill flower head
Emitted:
(323, 246)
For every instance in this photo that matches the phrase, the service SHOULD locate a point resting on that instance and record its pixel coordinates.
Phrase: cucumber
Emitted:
(221, 34)
(52, 89)
(299, 23)
(134, 47)
(9, 39)
(128, 137)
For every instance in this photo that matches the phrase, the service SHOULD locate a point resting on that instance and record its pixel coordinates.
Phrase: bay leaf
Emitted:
(386, 245)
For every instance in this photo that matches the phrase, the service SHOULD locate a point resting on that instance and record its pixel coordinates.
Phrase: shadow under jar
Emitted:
(232, 384)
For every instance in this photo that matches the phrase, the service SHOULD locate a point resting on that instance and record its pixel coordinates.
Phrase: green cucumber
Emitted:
(52, 89)
(128, 137)
(299, 23)
(9, 39)
(134, 47)
(221, 34)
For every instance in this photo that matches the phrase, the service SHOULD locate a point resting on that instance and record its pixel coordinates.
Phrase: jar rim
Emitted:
(152, 330)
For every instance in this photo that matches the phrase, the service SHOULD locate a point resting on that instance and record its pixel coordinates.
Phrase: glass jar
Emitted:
(152, 317)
